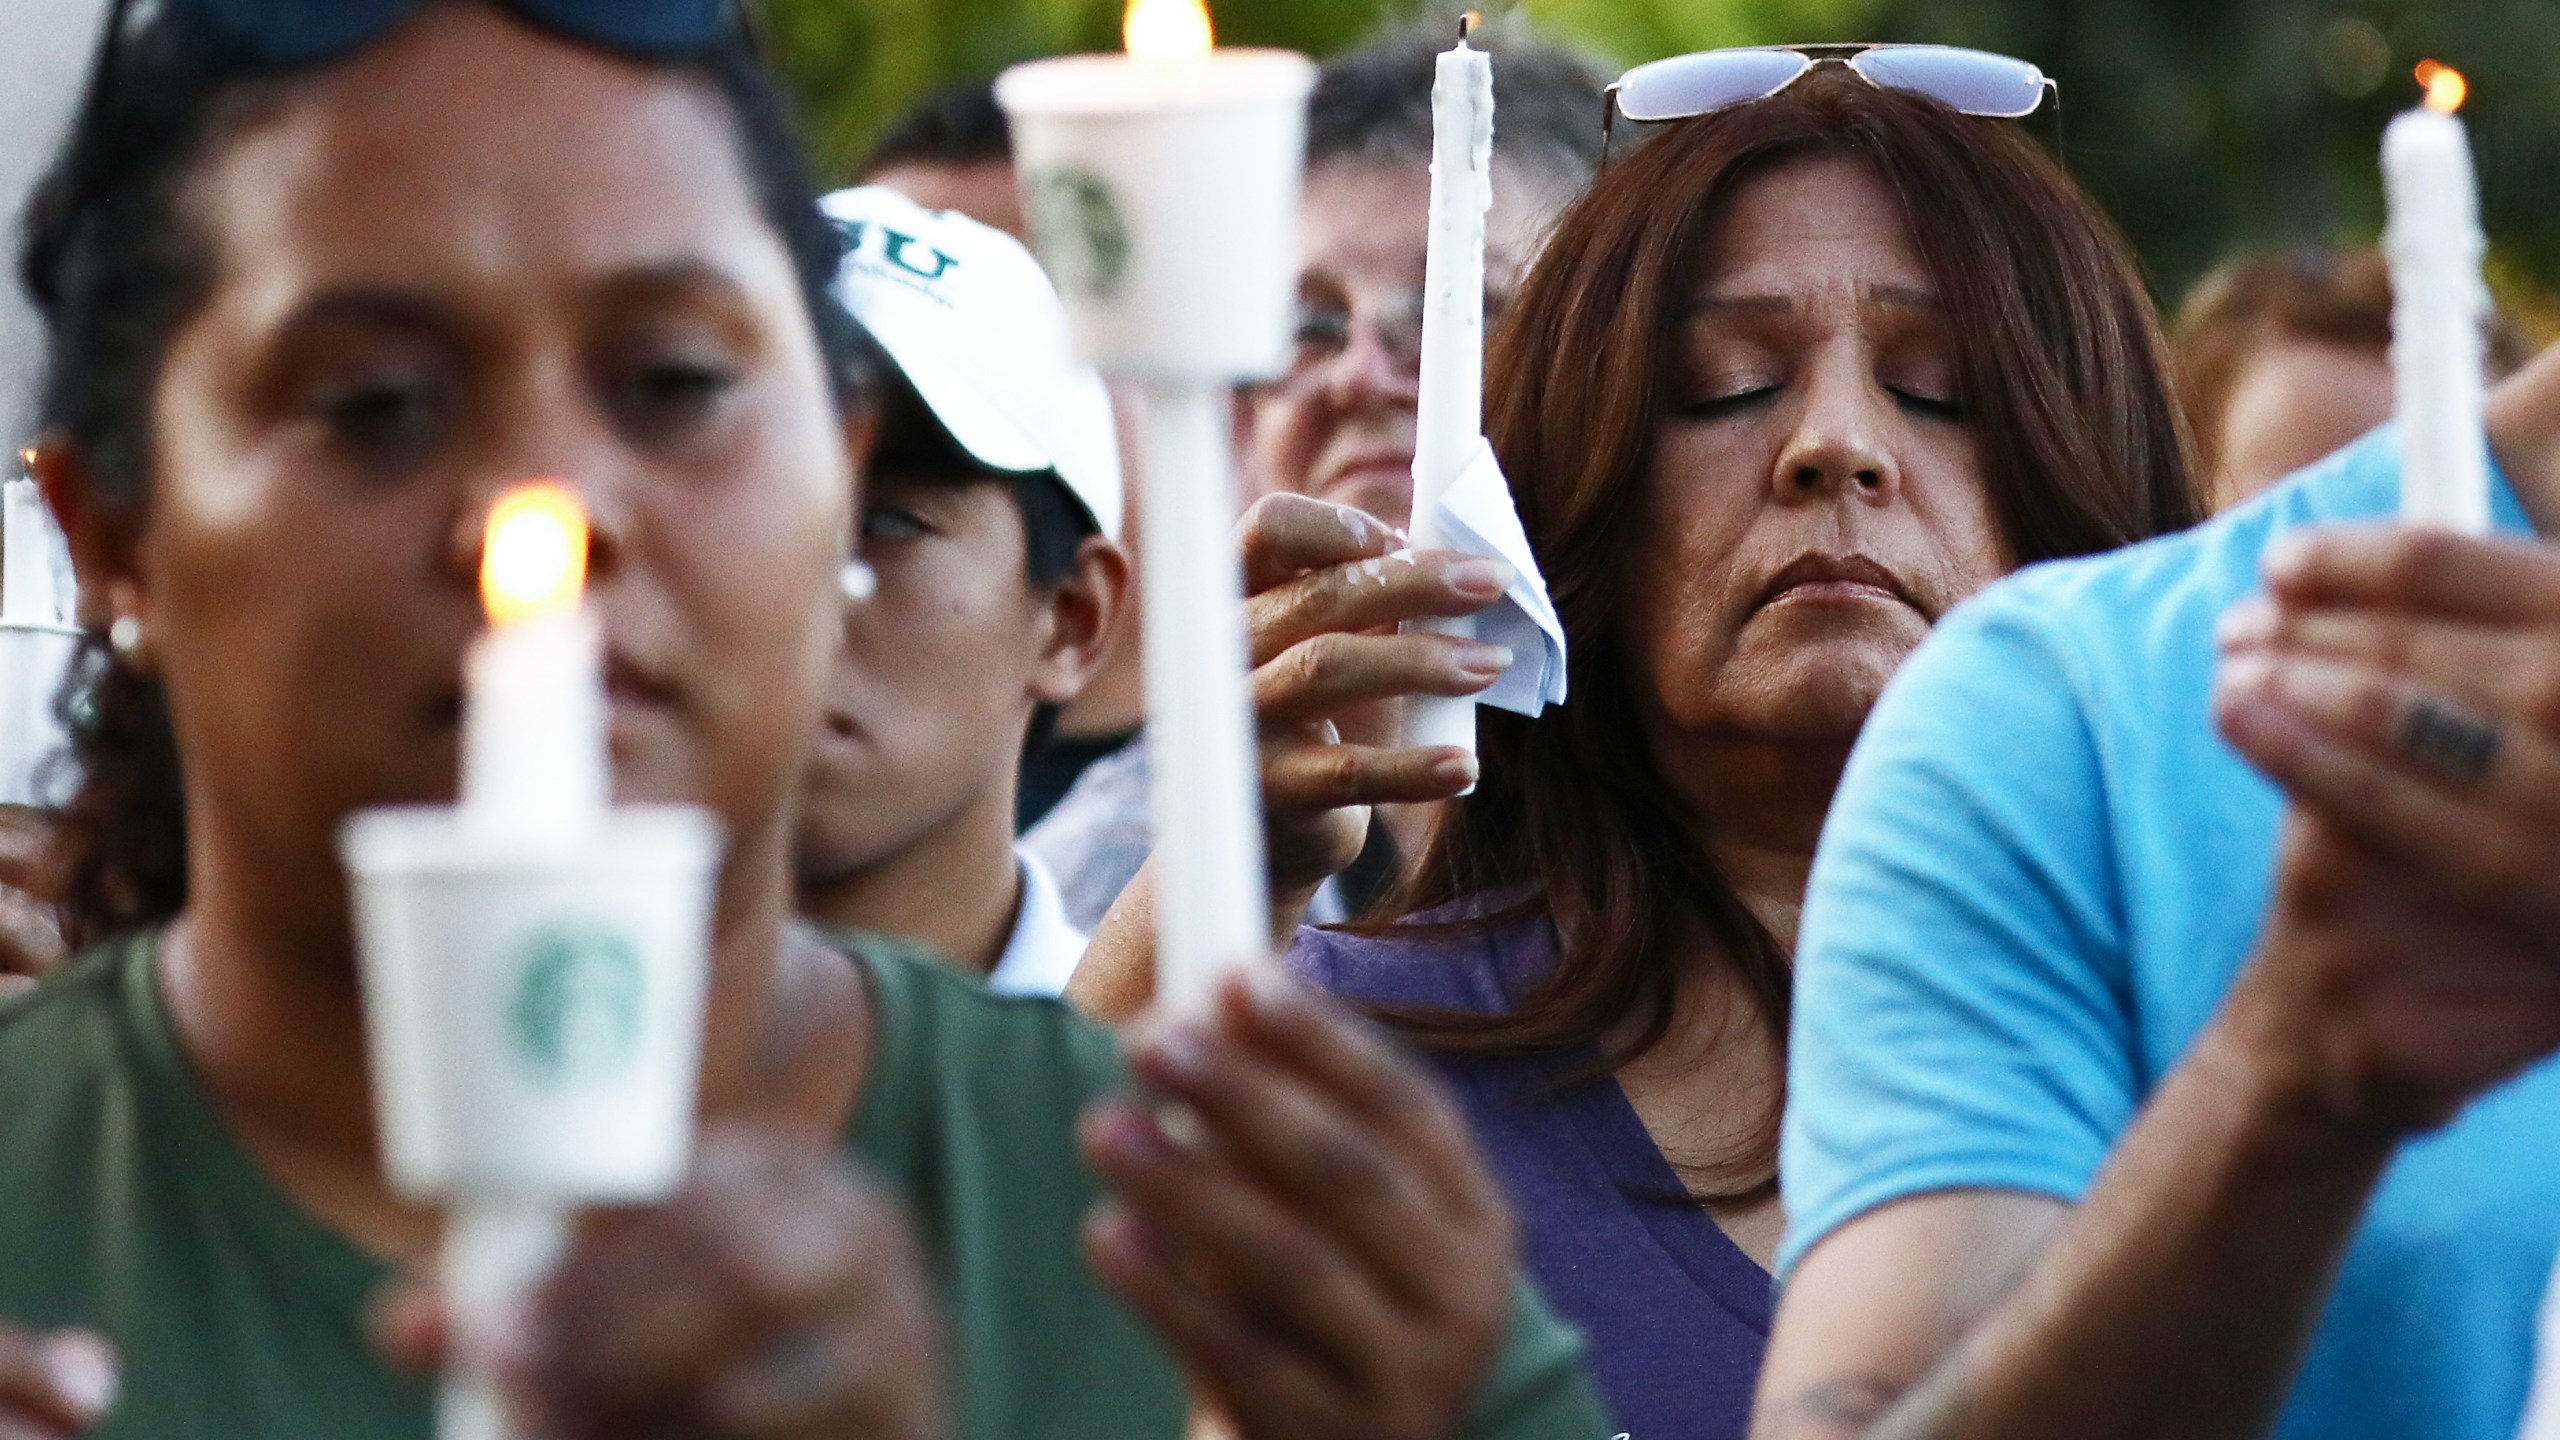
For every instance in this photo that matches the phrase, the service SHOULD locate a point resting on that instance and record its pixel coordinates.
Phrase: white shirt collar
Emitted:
(1045, 946)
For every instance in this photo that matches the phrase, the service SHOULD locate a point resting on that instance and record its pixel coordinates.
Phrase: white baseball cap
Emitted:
(974, 325)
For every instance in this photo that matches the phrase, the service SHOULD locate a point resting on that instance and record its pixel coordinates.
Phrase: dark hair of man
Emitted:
(2315, 295)
(116, 268)
(960, 126)
(1373, 104)
(913, 445)
(2082, 450)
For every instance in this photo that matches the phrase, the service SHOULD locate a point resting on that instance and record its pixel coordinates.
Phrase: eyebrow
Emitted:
(422, 310)
(1910, 297)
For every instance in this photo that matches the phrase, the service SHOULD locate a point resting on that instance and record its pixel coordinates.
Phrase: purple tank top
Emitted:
(1677, 1316)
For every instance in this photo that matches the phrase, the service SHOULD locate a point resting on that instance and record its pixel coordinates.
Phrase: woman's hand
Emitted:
(1309, 1229)
(2404, 688)
(777, 1296)
(53, 1387)
(1327, 588)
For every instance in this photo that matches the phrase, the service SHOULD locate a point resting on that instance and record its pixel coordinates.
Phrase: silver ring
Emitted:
(2458, 746)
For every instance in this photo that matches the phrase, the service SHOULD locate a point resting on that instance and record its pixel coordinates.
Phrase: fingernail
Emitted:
(2286, 557)
(2243, 675)
(1486, 662)
(82, 1369)
(1183, 1054)
(2247, 623)
(1476, 576)
(1457, 772)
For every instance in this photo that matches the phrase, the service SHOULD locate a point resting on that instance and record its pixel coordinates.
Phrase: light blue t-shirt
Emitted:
(2042, 872)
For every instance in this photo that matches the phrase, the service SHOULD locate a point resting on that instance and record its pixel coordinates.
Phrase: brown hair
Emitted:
(2333, 297)
(2082, 451)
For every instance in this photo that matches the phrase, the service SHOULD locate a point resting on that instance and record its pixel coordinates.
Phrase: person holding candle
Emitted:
(2175, 1001)
(318, 298)
(1766, 423)
(1339, 423)
(987, 518)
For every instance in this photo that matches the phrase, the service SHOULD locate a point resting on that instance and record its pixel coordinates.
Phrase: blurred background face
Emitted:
(472, 256)
(936, 678)
(1816, 497)
(2295, 401)
(1339, 426)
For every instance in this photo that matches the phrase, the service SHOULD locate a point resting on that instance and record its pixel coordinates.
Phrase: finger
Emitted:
(1233, 1238)
(1328, 673)
(873, 1375)
(1248, 1374)
(1353, 1062)
(2483, 842)
(1336, 777)
(2501, 668)
(2416, 569)
(407, 1321)
(766, 1240)
(1371, 595)
(1285, 536)
(56, 1385)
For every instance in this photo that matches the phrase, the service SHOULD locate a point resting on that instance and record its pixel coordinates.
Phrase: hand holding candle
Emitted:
(1162, 188)
(2439, 304)
(534, 960)
(1449, 410)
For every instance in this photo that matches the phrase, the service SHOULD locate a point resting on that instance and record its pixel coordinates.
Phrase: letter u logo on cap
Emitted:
(900, 247)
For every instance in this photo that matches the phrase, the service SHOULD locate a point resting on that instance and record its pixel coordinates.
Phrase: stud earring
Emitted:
(125, 638)
(858, 581)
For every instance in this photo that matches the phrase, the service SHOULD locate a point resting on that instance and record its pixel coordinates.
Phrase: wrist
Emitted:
(2261, 1058)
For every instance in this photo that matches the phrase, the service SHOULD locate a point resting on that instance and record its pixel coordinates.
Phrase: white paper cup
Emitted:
(535, 1025)
(1165, 205)
(35, 769)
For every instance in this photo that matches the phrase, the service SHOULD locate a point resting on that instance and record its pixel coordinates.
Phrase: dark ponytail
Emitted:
(115, 271)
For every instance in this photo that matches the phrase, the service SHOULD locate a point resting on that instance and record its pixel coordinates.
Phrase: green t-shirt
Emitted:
(125, 1205)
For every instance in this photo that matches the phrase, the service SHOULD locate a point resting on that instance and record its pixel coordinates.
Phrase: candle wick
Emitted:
(1467, 25)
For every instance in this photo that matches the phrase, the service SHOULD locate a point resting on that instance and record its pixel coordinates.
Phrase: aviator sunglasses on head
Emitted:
(290, 33)
(1970, 82)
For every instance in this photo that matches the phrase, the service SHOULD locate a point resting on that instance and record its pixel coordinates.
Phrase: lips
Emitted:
(1833, 576)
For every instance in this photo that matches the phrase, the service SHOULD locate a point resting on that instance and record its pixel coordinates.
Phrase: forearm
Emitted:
(1116, 980)
(2178, 1299)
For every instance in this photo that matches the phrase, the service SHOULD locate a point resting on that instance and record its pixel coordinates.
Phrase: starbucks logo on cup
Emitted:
(1082, 236)
(575, 1016)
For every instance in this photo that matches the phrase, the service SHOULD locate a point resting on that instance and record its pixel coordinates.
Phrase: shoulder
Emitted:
(950, 1058)
(1431, 961)
(66, 1023)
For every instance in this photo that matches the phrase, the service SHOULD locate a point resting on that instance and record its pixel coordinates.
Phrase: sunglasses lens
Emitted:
(1975, 82)
(1687, 85)
(637, 26)
(280, 32)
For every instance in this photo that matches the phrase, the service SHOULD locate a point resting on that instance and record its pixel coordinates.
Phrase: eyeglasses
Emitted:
(1970, 82)
(288, 33)
(1326, 328)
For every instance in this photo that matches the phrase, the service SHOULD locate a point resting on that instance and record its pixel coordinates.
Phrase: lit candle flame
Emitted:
(534, 561)
(1468, 24)
(1168, 32)
(2446, 89)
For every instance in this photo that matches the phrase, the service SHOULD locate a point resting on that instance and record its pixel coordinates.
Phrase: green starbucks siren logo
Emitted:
(576, 1012)
(1077, 221)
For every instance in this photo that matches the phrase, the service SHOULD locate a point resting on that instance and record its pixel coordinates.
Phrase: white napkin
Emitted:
(1475, 517)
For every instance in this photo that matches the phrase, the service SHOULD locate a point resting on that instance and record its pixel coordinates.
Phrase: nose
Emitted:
(1837, 447)
(566, 443)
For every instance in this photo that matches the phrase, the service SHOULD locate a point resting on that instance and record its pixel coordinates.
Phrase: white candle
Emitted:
(1162, 188)
(535, 766)
(536, 773)
(2439, 304)
(1449, 412)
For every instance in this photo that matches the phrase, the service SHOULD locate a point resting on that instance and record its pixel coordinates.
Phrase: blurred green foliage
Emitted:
(2203, 125)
